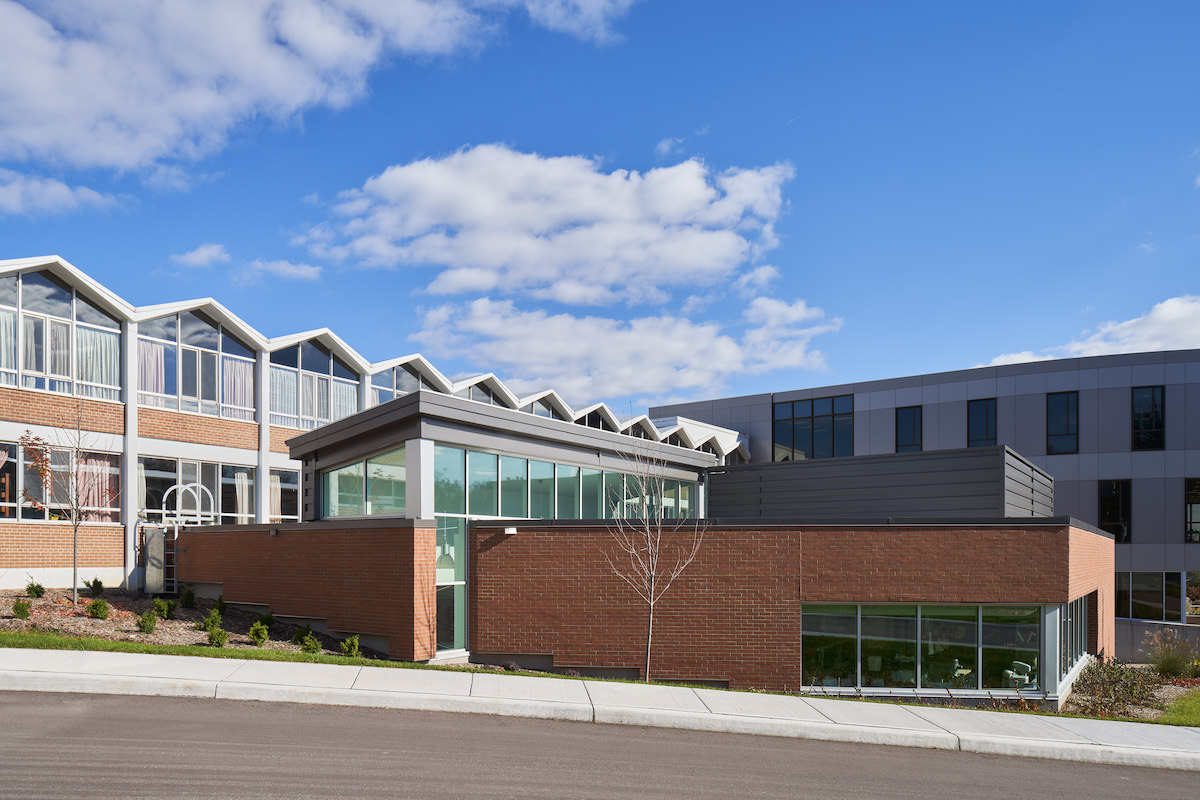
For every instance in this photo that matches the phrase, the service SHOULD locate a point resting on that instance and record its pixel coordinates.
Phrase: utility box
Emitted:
(155, 550)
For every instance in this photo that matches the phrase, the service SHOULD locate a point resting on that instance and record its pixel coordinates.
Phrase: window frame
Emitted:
(989, 422)
(1159, 433)
(1072, 423)
(915, 425)
(1124, 503)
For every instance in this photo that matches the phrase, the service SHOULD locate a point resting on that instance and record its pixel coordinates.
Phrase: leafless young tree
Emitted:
(651, 549)
(67, 479)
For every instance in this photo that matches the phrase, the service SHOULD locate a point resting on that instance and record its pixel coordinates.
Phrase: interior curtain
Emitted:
(32, 359)
(283, 391)
(8, 339)
(98, 356)
(345, 399)
(97, 479)
(244, 489)
(152, 370)
(60, 349)
(237, 382)
(276, 497)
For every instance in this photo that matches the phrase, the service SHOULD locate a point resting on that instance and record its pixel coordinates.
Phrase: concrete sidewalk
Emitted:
(1097, 741)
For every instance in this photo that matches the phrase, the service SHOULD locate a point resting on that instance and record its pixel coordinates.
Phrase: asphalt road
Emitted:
(63, 745)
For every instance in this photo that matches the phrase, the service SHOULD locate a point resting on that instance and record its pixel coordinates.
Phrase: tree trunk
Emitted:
(75, 563)
(649, 638)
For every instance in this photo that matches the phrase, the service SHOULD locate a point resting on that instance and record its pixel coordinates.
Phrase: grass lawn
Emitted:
(1184, 711)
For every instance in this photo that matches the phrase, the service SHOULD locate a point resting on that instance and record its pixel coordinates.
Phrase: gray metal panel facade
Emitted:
(1104, 384)
(982, 482)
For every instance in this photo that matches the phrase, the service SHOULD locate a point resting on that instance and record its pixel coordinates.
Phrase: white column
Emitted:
(418, 489)
(129, 451)
(262, 408)
(1051, 646)
(364, 392)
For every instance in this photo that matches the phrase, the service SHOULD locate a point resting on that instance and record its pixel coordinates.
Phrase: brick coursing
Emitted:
(176, 426)
(61, 411)
(37, 545)
(279, 436)
(370, 580)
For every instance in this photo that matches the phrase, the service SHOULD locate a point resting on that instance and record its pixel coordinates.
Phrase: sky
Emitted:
(636, 201)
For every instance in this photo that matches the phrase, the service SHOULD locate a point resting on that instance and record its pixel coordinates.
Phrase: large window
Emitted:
(396, 382)
(285, 496)
(1156, 596)
(1072, 637)
(1062, 423)
(56, 340)
(822, 428)
(87, 481)
(981, 422)
(190, 362)
(1115, 514)
(899, 646)
(908, 429)
(373, 487)
(229, 488)
(1191, 510)
(1149, 418)
(310, 386)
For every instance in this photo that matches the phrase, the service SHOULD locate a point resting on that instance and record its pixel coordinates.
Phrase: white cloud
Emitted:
(125, 85)
(756, 279)
(667, 146)
(559, 227)
(591, 357)
(31, 194)
(203, 256)
(256, 270)
(1149, 248)
(1173, 324)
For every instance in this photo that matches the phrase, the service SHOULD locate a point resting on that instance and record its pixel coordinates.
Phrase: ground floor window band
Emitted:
(900, 646)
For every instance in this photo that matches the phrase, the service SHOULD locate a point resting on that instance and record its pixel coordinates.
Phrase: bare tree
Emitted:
(652, 549)
(71, 481)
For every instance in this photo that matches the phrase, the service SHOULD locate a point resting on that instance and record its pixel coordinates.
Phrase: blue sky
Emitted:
(629, 201)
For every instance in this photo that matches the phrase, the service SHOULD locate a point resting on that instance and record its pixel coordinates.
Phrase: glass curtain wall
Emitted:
(1156, 596)
(190, 362)
(310, 386)
(54, 339)
(898, 646)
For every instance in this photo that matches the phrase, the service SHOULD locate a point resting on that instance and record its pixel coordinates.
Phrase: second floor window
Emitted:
(981, 422)
(1062, 423)
(1191, 510)
(1149, 418)
(190, 362)
(908, 429)
(1115, 514)
(310, 386)
(821, 428)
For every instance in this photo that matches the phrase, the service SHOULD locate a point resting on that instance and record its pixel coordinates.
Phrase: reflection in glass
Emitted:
(949, 647)
(483, 495)
(514, 487)
(541, 490)
(386, 479)
(828, 645)
(889, 645)
(449, 480)
(1011, 645)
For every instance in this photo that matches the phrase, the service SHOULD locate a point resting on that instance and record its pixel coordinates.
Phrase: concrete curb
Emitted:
(1127, 756)
(12, 680)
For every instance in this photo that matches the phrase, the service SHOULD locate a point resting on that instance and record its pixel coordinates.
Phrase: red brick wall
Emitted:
(360, 579)
(280, 435)
(735, 614)
(1092, 568)
(935, 565)
(157, 423)
(45, 408)
(36, 545)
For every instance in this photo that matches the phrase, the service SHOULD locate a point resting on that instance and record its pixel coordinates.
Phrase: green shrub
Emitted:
(220, 605)
(267, 619)
(1169, 653)
(349, 647)
(147, 622)
(95, 586)
(1111, 689)
(210, 623)
(218, 637)
(98, 609)
(189, 598)
(259, 633)
(164, 608)
(34, 589)
(301, 633)
(21, 609)
(309, 643)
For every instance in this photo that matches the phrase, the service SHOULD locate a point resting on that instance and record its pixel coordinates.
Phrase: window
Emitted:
(1149, 418)
(1114, 514)
(1156, 596)
(190, 362)
(1062, 423)
(396, 382)
(285, 496)
(375, 486)
(1191, 510)
(908, 429)
(229, 487)
(821, 428)
(66, 344)
(91, 483)
(981, 422)
(310, 386)
(1072, 637)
